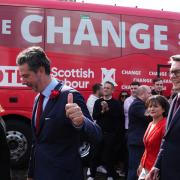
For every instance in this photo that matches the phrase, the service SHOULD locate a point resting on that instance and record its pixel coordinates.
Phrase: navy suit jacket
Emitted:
(55, 151)
(138, 122)
(168, 160)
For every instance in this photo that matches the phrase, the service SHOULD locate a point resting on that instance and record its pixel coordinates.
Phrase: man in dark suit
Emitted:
(138, 123)
(59, 117)
(167, 165)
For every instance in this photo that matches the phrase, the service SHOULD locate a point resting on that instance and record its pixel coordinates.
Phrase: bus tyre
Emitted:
(18, 134)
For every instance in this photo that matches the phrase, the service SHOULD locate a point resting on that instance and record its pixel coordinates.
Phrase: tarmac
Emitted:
(21, 174)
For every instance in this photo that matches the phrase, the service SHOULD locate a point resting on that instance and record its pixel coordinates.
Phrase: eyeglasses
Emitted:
(158, 84)
(175, 73)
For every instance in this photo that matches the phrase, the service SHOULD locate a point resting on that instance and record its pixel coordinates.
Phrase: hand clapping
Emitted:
(104, 106)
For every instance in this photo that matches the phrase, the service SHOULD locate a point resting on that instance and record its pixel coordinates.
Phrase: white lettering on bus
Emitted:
(77, 84)
(154, 73)
(73, 73)
(52, 29)
(145, 44)
(158, 37)
(82, 36)
(108, 28)
(9, 76)
(143, 80)
(128, 72)
(6, 25)
(124, 86)
(25, 28)
(139, 34)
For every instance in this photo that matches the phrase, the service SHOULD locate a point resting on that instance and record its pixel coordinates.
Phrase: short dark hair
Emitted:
(123, 93)
(135, 83)
(161, 100)
(109, 82)
(96, 87)
(157, 79)
(35, 57)
(174, 58)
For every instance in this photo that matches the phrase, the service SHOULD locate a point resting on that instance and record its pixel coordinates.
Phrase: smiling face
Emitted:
(158, 106)
(133, 89)
(175, 75)
(108, 90)
(156, 110)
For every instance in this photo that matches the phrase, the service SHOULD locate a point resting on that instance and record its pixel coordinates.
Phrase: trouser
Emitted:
(104, 154)
(135, 154)
(125, 154)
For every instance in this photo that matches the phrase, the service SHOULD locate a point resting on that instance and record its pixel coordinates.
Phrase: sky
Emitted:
(166, 5)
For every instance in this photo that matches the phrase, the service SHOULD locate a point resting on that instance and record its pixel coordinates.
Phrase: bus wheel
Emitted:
(18, 135)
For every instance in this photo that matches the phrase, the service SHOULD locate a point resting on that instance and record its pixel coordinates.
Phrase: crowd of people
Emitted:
(139, 130)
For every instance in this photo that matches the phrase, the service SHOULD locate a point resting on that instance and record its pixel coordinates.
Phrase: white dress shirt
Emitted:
(90, 103)
(127, 104)
(47, 92)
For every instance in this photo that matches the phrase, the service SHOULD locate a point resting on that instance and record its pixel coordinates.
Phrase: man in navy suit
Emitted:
(167, 165)
(137, 126)
(57, 129)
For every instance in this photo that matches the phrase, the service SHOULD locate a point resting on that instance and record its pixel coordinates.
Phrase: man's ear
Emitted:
(41, 69)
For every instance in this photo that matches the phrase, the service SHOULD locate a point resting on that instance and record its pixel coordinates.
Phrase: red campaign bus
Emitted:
(86, 44)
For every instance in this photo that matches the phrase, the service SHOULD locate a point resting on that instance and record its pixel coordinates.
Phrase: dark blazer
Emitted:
(110, 121)
(55, 151)
(168, 160)
(137, 122)
(4, 156)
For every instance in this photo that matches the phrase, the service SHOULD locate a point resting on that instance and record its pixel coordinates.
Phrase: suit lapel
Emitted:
(171, 111)
(47, 109)
(172, 117)
(51, 102)
(33, 113)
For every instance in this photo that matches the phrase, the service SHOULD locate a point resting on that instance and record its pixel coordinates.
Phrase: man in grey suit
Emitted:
(58, 119)
(167, 166)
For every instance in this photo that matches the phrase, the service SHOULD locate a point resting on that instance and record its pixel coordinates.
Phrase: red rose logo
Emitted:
(54, 94)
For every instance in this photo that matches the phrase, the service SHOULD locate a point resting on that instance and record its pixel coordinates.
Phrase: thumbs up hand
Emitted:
(73, 111)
